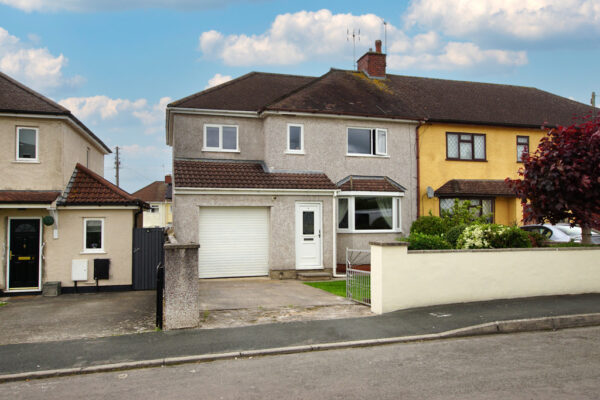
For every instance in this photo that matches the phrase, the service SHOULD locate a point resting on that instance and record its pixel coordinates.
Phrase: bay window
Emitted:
(369, 212)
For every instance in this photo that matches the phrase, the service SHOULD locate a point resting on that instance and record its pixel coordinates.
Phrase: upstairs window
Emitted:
(27, 144)
(295, 138)
(465, 146)
(522, 147)
(364, 141)
(220, 138)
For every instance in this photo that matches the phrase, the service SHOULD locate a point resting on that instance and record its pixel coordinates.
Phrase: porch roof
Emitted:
(28, 196)
(359, 183)
(475, 188)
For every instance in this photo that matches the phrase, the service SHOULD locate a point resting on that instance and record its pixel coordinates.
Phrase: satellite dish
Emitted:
(429, 192)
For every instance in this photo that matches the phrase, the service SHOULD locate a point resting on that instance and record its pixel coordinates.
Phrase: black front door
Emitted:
(24, 253)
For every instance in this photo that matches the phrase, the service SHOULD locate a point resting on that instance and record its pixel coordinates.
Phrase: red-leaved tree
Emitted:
(561, 179)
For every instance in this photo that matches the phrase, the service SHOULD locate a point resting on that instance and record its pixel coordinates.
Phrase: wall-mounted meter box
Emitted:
(79, 270)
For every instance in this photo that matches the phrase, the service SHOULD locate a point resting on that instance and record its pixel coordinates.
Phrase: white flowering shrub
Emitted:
(481, 236)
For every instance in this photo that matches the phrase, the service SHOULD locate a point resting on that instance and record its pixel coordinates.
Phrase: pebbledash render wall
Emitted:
(60, 147)
(282, 238)
(58, 253)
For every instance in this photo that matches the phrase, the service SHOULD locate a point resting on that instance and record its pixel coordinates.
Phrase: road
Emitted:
(542, 365)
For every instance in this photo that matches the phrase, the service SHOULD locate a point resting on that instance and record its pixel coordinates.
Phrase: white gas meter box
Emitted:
(79, 270)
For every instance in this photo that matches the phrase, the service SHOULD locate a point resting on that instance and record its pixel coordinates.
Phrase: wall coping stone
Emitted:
(388, 244)
(176, 246)
(504, 250)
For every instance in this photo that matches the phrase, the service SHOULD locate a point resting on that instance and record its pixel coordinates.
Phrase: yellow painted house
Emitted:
(470, 162)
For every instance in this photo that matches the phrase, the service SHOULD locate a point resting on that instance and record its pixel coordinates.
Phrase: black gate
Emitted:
(148, 253)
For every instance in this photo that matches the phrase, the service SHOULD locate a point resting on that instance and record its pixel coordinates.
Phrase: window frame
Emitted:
(351, 196)
(373, 151)
(220, 147)
(493, 200)
(93, 250)
(472, 142)
(37, 142)
(288, 150)
(519, 159)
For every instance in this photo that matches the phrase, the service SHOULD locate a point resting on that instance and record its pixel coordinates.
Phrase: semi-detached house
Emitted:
(279, 174)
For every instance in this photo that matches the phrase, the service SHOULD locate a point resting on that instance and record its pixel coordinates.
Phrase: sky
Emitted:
(116, 64)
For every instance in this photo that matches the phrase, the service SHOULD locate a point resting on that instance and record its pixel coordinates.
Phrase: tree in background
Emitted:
(561, 180)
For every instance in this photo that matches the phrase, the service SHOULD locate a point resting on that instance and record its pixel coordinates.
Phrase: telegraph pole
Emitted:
(117, 164)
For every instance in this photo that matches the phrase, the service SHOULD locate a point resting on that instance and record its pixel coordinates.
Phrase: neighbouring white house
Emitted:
(158, 196)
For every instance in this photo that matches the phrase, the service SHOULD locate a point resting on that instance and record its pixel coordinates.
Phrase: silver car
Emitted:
(561, 232)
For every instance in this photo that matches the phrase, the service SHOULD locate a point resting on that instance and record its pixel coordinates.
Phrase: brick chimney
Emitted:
(372, 62)
(167, 179)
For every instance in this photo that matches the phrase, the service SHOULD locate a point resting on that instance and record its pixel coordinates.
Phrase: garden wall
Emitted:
(403, 279)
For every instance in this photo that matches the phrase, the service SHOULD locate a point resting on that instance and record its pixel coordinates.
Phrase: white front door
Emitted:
(309, 249)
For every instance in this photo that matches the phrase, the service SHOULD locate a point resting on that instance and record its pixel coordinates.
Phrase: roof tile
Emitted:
(243, 174)
(28, 196)
(475, 187)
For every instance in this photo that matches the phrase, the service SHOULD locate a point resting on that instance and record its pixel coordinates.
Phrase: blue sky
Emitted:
(117, 63)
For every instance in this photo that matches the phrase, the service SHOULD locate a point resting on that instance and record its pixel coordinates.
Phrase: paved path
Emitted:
(520, 366)
(155, 345)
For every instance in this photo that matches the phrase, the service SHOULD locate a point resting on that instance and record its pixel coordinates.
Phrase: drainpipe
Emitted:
(334, 208)
(421, 122)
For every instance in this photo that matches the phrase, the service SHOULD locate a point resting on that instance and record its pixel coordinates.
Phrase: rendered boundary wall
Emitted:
(402, 279)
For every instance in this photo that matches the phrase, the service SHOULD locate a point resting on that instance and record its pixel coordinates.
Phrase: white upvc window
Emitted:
(369, 212)
(367, 141)
(93, 235)
(27, 144)
(295, 139)
(221, 138)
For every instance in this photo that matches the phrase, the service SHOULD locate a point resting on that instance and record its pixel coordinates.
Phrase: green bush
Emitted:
(422, 241)
(428, 225)
(492, 236)
(462, 213)
(537, 239)
(454, 233)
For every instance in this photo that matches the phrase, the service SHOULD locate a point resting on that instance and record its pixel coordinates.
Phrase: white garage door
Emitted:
(234, 241)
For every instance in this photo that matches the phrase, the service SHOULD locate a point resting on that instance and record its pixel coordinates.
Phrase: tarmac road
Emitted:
(545, 365)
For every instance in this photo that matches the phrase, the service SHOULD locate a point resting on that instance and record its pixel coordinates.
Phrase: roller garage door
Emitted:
(234, 241)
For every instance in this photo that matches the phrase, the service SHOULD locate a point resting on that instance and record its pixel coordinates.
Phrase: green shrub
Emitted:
(428, 225)
(454, 233)
(537, 239)
(462, 213)
(422, 241)
(511, 238)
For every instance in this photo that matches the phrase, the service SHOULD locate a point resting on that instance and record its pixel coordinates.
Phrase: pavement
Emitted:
(152, 349)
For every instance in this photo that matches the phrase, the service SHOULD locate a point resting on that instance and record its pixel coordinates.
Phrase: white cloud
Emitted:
(519, 19)
(36, 67)
(102, 5)
(456, 55)
(298, 37)
(98, 109)
(217, 80)
(293, 38)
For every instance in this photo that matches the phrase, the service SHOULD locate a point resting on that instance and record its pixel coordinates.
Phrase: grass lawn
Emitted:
(336, 287)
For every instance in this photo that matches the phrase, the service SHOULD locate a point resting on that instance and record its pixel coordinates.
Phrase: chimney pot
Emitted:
(378, 46)
(373, 63)
(167, 178)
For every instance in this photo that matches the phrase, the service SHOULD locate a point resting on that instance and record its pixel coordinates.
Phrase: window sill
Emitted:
(294, 153)
(458, 159)
(209, 150)
(26, 162)
(93, 252)
(367, 155)
(370, 231)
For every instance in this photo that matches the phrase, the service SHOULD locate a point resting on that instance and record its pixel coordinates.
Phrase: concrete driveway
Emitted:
(250, 301)
(28, 319)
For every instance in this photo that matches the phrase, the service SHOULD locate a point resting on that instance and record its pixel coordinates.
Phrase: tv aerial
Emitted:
(355, 35)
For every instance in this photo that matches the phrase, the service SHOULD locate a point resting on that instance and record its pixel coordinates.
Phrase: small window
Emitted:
(220, 138)
(93, 235)
(153, 209)
(465, 146)
(27, 144)
(367, 141)
(522, 147)
(295, 138)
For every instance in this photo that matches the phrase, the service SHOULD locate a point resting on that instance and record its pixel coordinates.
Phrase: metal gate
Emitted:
(358, 275)
(148, 253)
